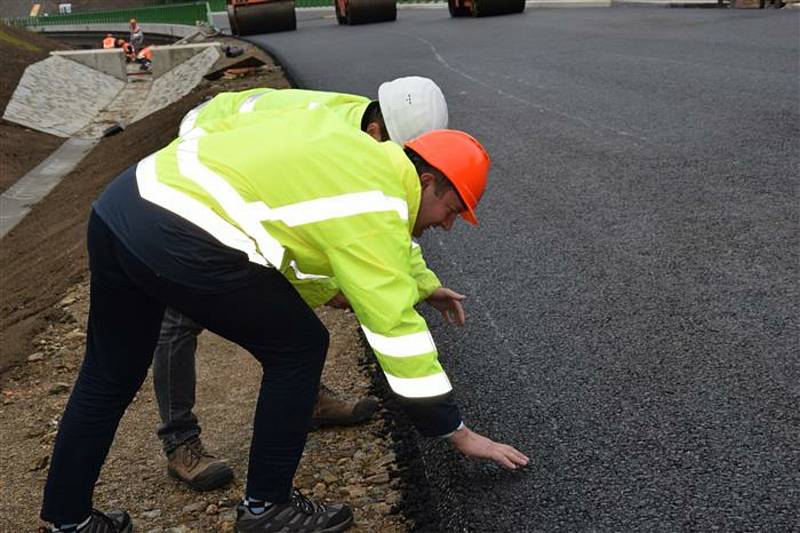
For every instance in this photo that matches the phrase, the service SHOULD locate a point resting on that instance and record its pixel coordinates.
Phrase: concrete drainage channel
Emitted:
(98, 94)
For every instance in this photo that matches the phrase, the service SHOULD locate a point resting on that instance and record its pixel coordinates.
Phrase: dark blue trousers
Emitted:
(263, 314)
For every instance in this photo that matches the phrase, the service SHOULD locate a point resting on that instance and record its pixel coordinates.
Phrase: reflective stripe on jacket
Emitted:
(304, 188)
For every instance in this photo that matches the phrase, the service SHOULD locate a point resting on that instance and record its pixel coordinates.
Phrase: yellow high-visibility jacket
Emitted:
(302, 187)
(350, 107)
(315, 290)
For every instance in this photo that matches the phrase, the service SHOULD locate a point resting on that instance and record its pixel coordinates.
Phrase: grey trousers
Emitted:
(174, 379)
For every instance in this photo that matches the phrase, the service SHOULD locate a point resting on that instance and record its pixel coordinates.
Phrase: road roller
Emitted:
(484, 8)
(250, 17)
(365, 11)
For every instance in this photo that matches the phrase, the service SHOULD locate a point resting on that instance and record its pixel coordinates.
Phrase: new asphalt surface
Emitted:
(633, 284)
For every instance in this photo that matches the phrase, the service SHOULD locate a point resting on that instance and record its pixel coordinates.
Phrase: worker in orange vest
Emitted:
(127, 49)
(109, 41)
(145, 57)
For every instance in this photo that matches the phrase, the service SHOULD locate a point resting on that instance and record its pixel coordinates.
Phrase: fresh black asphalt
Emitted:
(634, 304)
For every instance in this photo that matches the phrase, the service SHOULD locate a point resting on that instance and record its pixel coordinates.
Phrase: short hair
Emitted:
(441, 184)
(373, 114)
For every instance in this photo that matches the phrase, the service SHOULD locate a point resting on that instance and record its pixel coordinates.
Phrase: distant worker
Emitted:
(145, 57)
(137, 35)
(109, 41)
(127, 49)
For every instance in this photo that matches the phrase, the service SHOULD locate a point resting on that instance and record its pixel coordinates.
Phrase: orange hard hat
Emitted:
(461, 158)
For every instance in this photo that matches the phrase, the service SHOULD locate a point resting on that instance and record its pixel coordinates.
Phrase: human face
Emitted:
(436, 210)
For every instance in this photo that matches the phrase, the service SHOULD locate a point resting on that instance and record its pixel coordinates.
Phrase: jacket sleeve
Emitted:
(317, 292)
(314, 292)
(374, 272)
(427, 281)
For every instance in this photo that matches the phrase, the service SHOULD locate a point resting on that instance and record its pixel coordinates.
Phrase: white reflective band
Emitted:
(250, 103)
(302, 275)
(320, 209)
(313, 105)
(194, 133)
(187, 207)
(187, 124)
(414, 244)
(433, 385)
(402, 346)
(189, 165)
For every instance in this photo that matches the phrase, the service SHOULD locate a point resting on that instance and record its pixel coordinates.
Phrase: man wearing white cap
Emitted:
(406, 108)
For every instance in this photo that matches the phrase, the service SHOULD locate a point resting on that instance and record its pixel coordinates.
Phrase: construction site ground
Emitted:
(44, 302)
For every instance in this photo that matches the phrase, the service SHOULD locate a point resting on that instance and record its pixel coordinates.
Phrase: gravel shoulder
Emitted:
(352, 464)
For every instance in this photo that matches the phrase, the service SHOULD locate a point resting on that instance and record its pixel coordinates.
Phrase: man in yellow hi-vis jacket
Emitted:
(405, 108)
(207, 225)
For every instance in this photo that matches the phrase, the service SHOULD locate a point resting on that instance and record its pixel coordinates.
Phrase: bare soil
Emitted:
(43, 307)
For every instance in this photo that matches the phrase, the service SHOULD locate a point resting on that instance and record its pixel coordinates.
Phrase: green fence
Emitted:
(166, 14)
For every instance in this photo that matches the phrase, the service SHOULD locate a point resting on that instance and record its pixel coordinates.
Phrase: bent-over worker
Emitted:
(300, 186)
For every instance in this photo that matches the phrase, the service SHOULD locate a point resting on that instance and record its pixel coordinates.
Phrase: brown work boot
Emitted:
(333, 411)
(193, 465)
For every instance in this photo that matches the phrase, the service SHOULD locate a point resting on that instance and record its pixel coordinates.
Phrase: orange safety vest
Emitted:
(109, 42)
(127, 48)
(146, 53)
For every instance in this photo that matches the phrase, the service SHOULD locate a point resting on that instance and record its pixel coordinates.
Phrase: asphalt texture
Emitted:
(633, 285)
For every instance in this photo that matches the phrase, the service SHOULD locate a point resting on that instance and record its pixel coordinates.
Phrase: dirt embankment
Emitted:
(45, 254)
(21, 149)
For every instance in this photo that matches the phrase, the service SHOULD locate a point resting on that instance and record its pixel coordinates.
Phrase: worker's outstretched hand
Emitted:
(448, 302)
(474, 445)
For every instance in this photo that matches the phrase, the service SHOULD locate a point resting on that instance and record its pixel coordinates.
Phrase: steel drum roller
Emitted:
(365, 11)
(251, 17)
(484, 8)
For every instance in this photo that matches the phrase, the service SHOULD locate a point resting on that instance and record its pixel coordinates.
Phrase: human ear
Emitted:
(374, 130)
(426, 179)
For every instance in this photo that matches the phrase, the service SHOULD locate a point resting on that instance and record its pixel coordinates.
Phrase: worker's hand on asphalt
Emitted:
(339, 301)
(474, 445)
(448, 302)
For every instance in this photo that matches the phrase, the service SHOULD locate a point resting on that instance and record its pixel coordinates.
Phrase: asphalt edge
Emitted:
(294, 80)
(420, 506)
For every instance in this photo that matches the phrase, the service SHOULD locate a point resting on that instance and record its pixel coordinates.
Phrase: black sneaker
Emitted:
(116, 522)
(300, 515)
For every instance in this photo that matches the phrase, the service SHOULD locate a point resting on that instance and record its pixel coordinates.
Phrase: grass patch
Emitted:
(5, 38)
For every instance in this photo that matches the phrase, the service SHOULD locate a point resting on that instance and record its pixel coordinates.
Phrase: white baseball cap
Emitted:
(411, 106)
